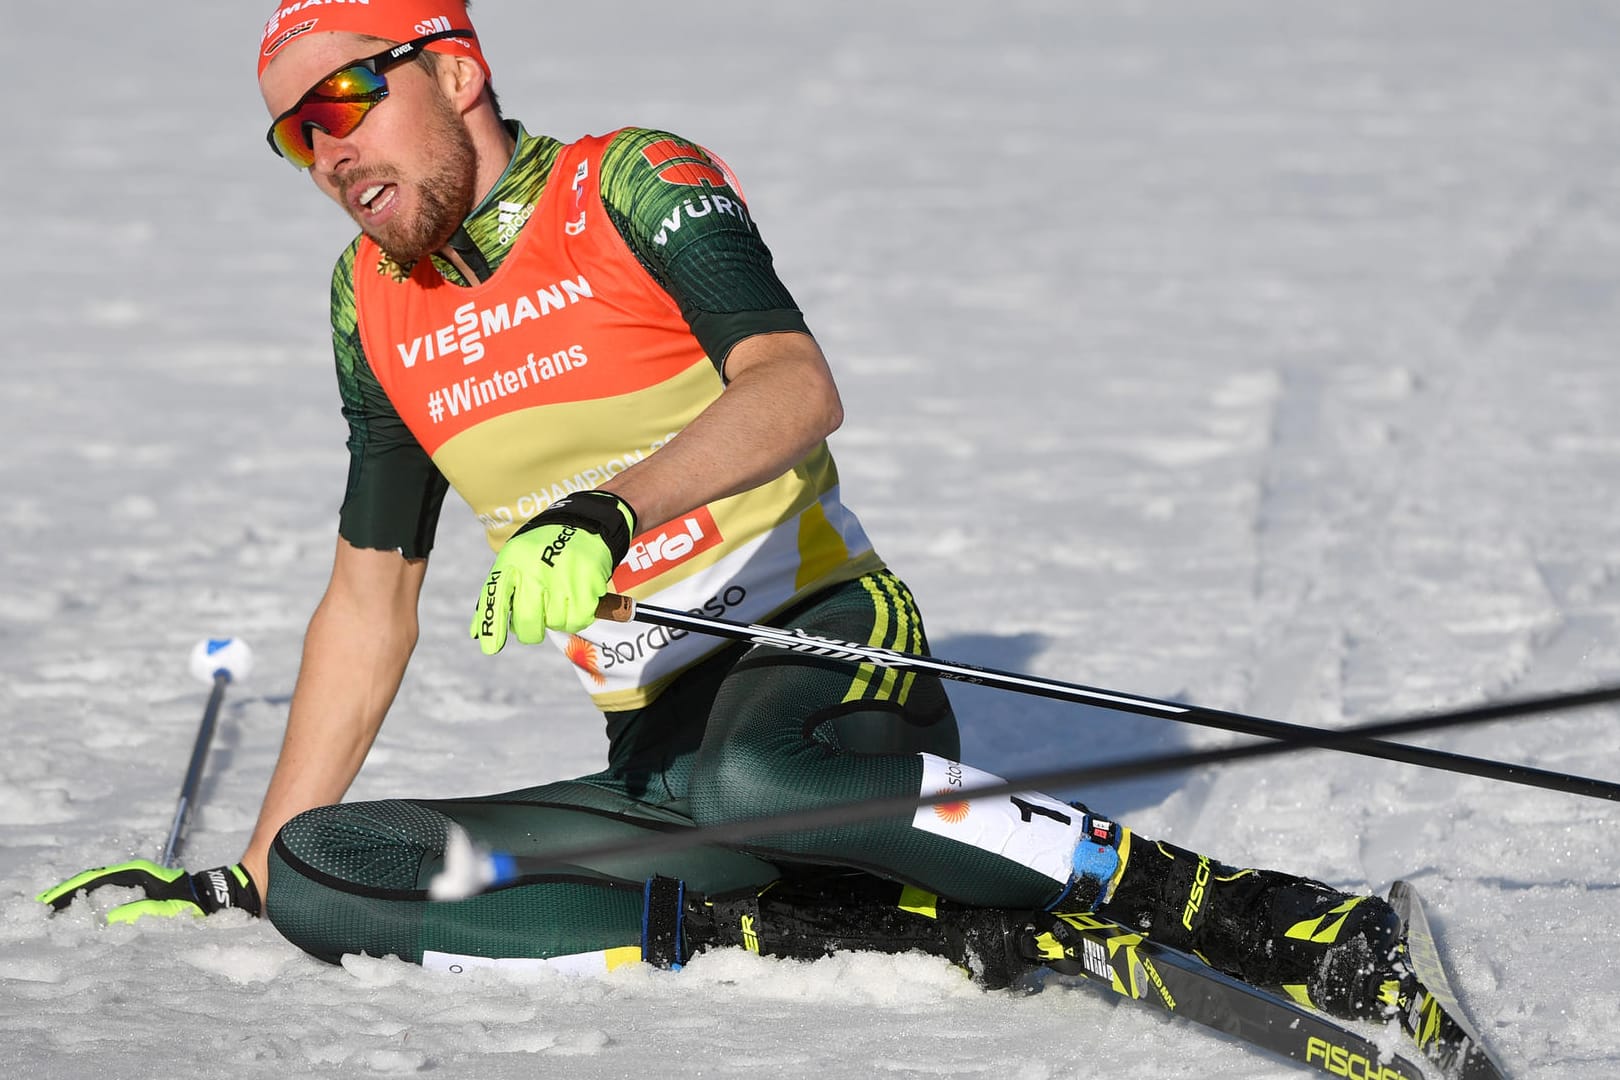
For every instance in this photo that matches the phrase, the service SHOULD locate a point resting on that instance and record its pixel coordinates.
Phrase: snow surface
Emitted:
(1249, 352)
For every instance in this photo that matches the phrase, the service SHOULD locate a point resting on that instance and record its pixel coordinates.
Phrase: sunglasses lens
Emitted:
(336, 105)
(351, 82)
(336, 118)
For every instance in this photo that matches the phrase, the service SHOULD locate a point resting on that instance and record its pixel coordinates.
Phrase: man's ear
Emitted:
(462, 80)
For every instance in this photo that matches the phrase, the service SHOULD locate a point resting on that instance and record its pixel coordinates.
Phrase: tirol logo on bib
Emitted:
(657, 551)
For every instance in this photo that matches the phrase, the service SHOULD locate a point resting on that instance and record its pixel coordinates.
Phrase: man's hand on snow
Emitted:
(169, 891)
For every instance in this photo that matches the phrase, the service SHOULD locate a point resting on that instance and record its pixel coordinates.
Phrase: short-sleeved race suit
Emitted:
(569, 364)
(614, 275)
(713, 264)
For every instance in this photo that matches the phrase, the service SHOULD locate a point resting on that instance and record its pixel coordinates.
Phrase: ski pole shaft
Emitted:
(624, 609)
(469, 871)
(194, 771)
(216, 661)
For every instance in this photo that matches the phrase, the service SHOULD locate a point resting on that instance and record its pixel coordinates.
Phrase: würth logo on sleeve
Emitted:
(660, 550)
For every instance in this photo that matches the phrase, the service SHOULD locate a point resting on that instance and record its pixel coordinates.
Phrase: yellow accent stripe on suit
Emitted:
(864, 674)
(908, 636)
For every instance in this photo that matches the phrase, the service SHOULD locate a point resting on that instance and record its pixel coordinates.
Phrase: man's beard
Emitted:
(445, 195)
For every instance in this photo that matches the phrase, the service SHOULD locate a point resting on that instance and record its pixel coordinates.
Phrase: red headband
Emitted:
(392, 20)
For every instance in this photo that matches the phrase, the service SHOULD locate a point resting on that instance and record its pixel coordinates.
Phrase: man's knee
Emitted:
(376, 845)
(336, 874)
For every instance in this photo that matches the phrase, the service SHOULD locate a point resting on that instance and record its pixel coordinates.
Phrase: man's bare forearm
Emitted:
(780, 403)
(355, 652)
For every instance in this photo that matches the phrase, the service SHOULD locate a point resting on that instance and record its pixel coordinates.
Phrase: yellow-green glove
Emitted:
(552, 572)
(169, 890)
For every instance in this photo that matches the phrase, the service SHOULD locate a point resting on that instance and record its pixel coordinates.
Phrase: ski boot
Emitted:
(834, 911)
(1343, 955)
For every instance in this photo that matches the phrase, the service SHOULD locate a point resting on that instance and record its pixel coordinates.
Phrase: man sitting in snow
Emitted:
(588, 341)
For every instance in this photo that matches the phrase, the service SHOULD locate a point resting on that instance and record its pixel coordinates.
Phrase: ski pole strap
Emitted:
(663, 905)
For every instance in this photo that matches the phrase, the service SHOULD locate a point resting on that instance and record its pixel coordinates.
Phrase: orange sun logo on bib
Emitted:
(951, 813)
(582, 654)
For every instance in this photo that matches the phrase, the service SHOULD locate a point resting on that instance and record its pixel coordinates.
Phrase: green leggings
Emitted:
(746, 733)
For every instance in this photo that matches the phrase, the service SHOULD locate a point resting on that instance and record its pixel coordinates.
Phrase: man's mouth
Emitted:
(374, 199)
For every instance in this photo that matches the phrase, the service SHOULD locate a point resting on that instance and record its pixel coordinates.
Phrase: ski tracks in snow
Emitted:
(1390, 577)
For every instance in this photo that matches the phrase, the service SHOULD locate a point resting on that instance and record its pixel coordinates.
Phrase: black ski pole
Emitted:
(624, 609)
(470, 868)
(217, 661)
